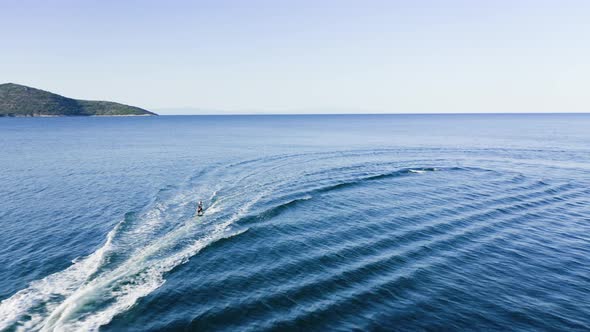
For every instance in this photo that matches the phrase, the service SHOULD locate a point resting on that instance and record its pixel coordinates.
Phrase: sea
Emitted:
(311, 223)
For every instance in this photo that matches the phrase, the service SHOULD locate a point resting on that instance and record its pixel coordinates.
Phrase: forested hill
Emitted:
(20, 100)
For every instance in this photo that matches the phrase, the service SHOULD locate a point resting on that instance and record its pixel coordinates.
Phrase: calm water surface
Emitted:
(312, 223)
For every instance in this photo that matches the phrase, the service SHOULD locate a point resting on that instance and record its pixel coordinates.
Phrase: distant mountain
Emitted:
(20, 100)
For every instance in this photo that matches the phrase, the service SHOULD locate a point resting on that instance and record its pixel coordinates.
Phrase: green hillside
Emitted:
(20, 100)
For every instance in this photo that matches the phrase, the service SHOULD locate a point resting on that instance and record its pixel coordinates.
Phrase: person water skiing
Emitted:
(200, 208)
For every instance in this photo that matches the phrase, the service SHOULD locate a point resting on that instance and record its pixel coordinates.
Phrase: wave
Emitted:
(283, 203)
(374, 270)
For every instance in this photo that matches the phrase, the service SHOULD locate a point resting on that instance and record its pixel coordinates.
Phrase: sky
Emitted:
(304, 56)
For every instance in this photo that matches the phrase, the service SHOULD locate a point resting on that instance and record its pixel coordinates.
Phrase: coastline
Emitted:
(73, 116)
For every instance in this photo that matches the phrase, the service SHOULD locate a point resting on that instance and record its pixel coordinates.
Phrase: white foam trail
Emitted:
(61, 301)
(152, 278)
(214, 208)
(138, 281)
(59, 284)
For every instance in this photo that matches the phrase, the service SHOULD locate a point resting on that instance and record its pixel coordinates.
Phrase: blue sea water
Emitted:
(312, 223)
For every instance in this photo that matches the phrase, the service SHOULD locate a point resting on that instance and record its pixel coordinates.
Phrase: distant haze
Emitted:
(321, 56)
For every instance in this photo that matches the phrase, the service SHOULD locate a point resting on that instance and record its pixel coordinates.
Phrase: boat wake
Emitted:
(131, 264)
(146, 245)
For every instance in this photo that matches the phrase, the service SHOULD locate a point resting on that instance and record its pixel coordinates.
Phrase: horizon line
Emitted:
(450, 113)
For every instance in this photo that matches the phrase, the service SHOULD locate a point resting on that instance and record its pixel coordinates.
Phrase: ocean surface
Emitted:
(312, 223)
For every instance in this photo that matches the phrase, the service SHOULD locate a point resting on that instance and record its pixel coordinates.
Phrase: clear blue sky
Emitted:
(321, 56)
